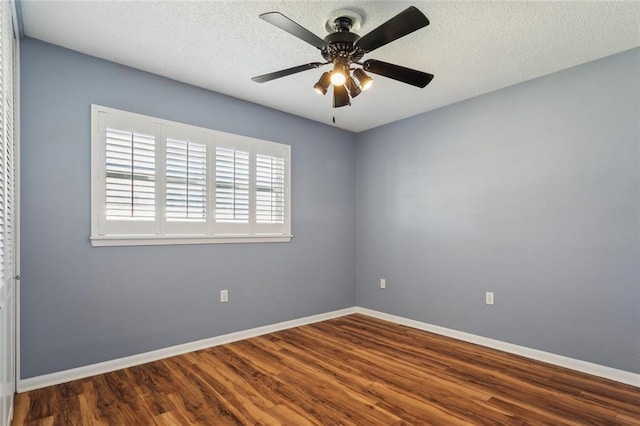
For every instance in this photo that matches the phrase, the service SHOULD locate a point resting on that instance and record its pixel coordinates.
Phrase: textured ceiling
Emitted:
(470, 47)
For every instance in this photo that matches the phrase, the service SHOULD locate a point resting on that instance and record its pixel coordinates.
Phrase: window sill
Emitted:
(153, 240)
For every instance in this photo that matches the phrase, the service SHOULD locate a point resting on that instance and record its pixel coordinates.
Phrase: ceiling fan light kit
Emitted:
(344, 49)
(364, 80)
(323, 84)
(353, 87)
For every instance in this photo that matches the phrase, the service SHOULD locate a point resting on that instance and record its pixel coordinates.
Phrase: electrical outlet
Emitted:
(383, 283)
(488, 298)
(224, 296)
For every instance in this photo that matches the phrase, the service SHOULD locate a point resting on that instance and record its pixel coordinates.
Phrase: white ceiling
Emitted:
(470, 47)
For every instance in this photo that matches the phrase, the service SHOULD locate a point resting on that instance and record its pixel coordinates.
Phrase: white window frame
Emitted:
(161, 231)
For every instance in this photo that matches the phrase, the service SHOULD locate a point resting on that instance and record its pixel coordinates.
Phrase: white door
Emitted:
(7, 342)
(8, 207)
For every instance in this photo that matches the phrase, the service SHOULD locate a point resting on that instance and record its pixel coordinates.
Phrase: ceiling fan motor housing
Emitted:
(341, 44)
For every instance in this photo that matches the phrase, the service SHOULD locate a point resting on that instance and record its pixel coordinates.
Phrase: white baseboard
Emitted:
(38, 382)
(45, 380)
(550, 358)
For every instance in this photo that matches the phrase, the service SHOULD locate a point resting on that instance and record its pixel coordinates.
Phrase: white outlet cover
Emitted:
(224, 296)
(489, 298)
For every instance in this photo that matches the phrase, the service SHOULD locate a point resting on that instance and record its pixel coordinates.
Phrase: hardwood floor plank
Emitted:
(568, 406)
(289, 416)
(266, 361)
(195, 414)
(153, 378)
(170, 418)
(353, 370)
(88, 414)
(527, 412)
(337, 403)
(42, 404)
(236, 384)
(627, 420)
(238, 401)
(44, 421)
(624, 406)
(21, 405)
(326, 363)
(263, 384)
(411, 409)
(196, 397)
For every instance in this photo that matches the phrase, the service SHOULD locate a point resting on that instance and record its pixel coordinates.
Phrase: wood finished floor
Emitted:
(353, 370)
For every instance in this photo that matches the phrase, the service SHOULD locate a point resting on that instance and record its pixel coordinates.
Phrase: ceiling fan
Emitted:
(344, 49)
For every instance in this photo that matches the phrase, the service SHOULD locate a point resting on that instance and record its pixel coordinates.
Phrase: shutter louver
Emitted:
(270, 189)
(130, 175)
(186, 181)
(232, 185)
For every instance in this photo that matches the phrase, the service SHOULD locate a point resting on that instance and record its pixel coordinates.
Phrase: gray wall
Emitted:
(531, 192)
(82, 305)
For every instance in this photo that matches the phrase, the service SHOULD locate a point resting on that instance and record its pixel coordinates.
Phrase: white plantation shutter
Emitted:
(7, 151)
(160, 182)
(270, 189)
(186, 181)
(232, 185)
(8, 237)
(124, 175)
(130, 175)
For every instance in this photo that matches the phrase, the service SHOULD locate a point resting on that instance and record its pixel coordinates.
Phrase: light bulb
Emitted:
(339, 74)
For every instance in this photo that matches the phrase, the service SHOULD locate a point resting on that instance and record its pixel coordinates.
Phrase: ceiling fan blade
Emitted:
(286, 24)
(283, 73)
(340, 96)
(396, 72)
(406, 22)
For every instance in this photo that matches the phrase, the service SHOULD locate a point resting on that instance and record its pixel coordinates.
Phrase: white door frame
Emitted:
(16, 135)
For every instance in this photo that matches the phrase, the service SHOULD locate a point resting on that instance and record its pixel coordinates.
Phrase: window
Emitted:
(159, 182)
